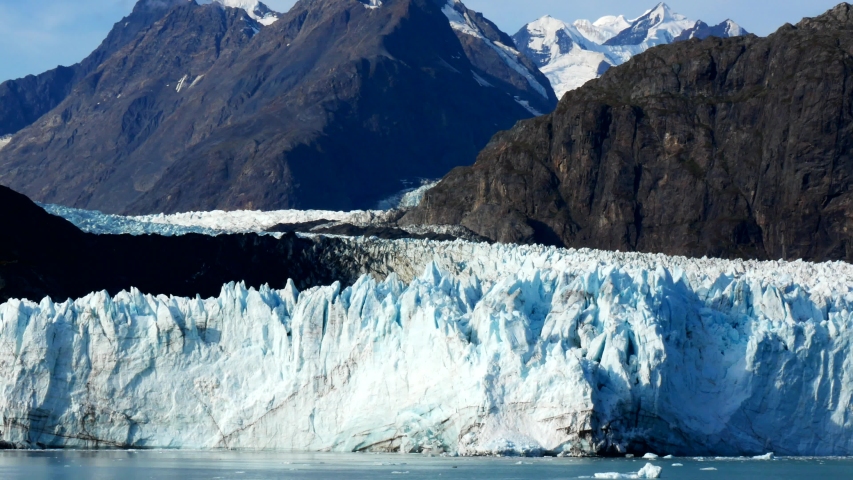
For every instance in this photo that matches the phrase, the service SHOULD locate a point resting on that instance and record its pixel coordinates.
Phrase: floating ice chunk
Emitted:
(708, 469)
(677, 464)
(649, 471)
(650, 456)
(667, 457)
(766, 456)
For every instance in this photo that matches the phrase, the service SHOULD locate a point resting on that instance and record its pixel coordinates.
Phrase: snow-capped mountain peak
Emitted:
(733, 29)
(257, 10)
(656, 26)
(570, 54)
(605, 27)
(660, 14)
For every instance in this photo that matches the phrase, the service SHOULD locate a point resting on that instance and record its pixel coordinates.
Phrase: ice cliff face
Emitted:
(467, 347)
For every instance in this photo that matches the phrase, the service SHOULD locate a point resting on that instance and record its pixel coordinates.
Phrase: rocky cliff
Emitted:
(334, 105)
(721, 147)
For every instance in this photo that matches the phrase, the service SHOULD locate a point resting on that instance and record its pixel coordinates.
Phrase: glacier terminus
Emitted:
(464, 348)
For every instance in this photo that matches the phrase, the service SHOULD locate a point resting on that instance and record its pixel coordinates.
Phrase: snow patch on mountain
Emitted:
(572, 54)
(485, 349)
(257, 10)
(5, 140)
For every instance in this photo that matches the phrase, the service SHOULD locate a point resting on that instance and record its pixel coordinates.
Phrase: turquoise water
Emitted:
(170, 464)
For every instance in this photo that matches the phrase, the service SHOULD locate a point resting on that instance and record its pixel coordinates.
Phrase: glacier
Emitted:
(214, 222)
(455, 347)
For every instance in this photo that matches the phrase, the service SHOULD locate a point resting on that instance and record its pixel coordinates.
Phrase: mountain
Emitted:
(336, 105)
(24, 100)
(738, 147)
(572, 54)
(470, 349)
(702, 30)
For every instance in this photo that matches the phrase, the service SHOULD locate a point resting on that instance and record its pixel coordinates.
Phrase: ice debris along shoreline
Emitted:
(488, 349)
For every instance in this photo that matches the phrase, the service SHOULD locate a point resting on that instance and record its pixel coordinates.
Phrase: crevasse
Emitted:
(512, 350)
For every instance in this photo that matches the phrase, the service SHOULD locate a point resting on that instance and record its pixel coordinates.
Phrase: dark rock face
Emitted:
(740, 147)
(330, 107)
(45, 256)
(25, 100)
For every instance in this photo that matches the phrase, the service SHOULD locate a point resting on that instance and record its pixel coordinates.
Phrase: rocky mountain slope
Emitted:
(25, 100)
(332, 106)
(572, 54)
(721, 147)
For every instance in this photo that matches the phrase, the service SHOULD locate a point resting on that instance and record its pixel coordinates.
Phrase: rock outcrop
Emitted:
(739, 147)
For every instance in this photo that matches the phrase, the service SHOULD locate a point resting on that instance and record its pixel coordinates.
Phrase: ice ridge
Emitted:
(488, 349)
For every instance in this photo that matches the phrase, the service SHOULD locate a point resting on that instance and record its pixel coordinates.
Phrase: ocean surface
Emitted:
(184, 465)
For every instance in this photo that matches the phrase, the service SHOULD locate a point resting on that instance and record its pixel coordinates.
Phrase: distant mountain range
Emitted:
(336, 104)
(571, 54)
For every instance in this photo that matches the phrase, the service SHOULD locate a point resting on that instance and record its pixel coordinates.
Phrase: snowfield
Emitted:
(451, 346)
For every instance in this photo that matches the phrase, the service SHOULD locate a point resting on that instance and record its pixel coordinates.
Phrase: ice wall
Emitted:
(488, 349)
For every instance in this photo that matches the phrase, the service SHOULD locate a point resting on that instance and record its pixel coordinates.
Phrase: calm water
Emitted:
(130, 465)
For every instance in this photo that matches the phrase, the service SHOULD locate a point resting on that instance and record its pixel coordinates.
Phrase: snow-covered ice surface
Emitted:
(571, 54)
(468, 348)
(207, 223)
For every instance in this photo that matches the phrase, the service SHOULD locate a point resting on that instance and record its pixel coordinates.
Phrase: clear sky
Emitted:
(37, 35)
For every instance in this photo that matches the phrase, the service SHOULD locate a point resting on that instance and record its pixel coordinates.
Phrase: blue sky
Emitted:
(37, 35)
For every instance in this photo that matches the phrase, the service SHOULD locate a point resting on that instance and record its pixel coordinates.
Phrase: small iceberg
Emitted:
(649, 471)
